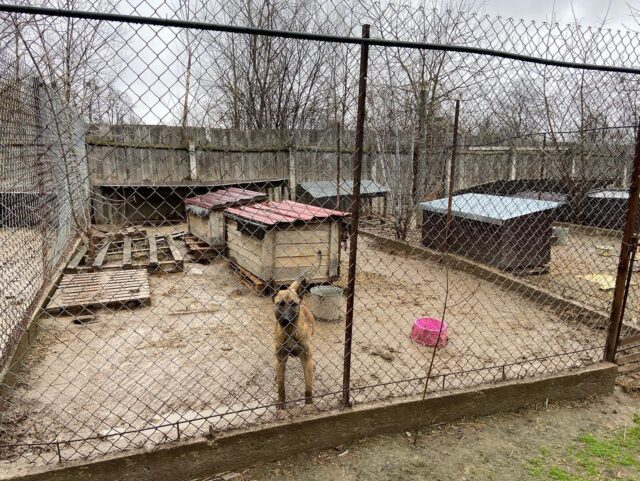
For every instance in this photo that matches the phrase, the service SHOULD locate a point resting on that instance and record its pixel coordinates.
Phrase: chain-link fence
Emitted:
(165, 180)
(44, 197)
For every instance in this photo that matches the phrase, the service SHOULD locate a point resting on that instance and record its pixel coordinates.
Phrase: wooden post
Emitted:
(615, 320)
(193, 164)
(338, 163)
(451, 160)
(420, 146)
(543, 159)
(355, 217)
(513, 163)
(292, 175)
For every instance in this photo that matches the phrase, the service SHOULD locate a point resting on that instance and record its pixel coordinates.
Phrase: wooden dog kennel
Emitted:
(205, 212)
(280, 241)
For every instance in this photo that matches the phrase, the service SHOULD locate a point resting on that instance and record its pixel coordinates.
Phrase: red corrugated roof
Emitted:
(224, 198)
(286, 211)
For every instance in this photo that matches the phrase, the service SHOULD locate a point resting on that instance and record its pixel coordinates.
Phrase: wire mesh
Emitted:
(159, 184)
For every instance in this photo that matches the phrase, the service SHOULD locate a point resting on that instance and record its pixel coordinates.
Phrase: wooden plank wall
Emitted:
(245, 251)
(296, 252)
(283, 256)
(478, 167)
(161, 155)
(20, 166)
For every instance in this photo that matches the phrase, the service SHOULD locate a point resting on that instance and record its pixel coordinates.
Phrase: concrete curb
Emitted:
(201, 457)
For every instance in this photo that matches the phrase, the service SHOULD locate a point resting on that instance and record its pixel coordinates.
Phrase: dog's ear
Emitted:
(295, 286)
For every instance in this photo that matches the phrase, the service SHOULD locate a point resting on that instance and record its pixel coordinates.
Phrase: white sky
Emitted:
(152, 75)
(587, 12)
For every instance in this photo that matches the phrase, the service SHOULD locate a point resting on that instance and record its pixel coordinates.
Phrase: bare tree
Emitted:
(189, 44)
(264, 82)
(421, 80)
(76, 61)
(389, 119)
(341, 89)
(70, 51)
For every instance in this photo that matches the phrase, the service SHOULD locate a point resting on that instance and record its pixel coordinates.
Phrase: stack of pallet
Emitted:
(199, 250)
(81, 293)
(130, 250)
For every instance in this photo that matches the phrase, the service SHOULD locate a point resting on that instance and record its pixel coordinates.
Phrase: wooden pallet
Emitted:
(250, 280)
(93, 290)
(151, 252)
(200, 251)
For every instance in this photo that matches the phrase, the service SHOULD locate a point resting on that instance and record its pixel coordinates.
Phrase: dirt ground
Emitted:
(583, 251)
(587, 252)
(199, 358)
(542, 443)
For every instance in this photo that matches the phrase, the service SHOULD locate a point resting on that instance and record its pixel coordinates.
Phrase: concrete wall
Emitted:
(239, 449)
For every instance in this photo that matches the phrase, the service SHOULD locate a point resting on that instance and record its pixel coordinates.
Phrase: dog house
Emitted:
(606, 208)
(325, 194)
(562, 214)
(279, 242)
(205, 212)
(507, 232)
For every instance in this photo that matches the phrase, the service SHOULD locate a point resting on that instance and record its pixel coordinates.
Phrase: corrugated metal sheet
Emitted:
(220, 199)
(609, 194)
(488, 208)
(286, 211)
(540, 195)
(327, 188)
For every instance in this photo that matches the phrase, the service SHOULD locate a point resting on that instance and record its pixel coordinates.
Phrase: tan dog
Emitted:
(294, 329)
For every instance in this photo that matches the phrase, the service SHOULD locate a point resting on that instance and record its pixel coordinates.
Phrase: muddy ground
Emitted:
(201, 355)
(527, 445)
(582, 251)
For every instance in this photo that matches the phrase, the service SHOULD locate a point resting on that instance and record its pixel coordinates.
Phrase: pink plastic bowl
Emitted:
(425, 331)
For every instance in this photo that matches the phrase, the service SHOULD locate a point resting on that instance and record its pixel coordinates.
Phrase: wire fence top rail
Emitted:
(205, 26)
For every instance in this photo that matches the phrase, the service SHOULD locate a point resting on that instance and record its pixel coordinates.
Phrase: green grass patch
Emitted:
(592, 458)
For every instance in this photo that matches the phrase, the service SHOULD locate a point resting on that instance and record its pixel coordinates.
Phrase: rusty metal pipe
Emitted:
(355, 216)
(615, 319)
(627, 284)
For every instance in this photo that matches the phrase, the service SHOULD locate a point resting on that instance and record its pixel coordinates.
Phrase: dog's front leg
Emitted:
(281, 364)
(307, 365)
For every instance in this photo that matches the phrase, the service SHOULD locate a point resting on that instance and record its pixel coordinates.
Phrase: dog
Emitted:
(294, 329)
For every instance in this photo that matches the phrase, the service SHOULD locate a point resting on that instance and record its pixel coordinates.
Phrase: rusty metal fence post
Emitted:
(627, 284)
(355, 216)
(615, 320)
(452, 170)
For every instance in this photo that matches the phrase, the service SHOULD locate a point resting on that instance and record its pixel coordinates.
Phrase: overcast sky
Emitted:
(588, 12)
(152, 77)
